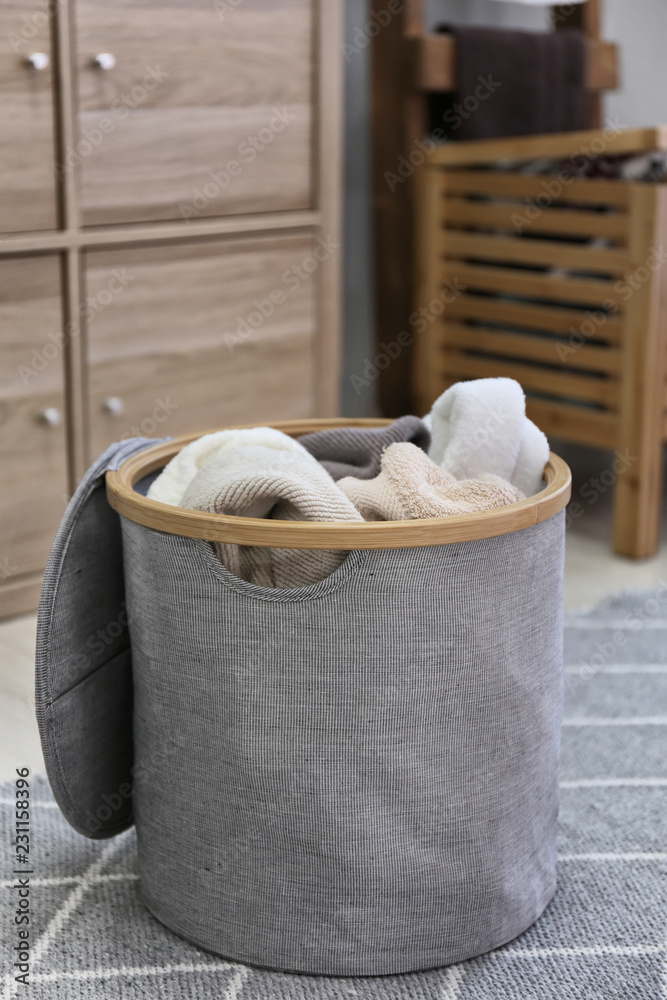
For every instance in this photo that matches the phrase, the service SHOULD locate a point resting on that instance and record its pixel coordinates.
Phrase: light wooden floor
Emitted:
(19, 742)
(591, 572)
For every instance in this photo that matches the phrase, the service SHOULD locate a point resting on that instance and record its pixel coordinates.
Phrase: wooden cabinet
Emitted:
(27, 193)
(191, 108)
(32, 423)
(199, 335)
(186, 240)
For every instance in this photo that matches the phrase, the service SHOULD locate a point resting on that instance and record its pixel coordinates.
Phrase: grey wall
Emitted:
(639, 28)
(490, 12)
(357, 305)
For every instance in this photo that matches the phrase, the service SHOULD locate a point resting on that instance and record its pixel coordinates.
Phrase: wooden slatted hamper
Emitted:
(559, 282)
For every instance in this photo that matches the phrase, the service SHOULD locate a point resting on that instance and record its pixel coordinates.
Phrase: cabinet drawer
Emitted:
(27, 193)
(32, 450)
(205, 109)
(197, 336)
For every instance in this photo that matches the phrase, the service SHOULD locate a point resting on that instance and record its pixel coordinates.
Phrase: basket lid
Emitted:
(83, 689)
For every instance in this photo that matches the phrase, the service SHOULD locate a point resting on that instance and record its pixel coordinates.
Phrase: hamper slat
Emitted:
(519, 250)
(531, 285)
(539, 379)
(563, 145)
(529, 348)
(583, 425)
(519, 187)
(506, 215)
(546, 319)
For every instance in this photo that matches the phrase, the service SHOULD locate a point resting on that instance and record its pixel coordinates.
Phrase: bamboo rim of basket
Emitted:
(344, 535)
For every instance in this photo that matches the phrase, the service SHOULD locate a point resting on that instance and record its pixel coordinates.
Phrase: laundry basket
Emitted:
(356, 777)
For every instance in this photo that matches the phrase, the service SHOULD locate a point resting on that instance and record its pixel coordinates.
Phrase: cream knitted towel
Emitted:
(356, 451)
(264, 482)
(410, 485)
(175, 478)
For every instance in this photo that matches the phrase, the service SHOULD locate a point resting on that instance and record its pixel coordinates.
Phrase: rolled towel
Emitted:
(410, 485)
(175, 478)
(283, 485)
(356, 451)
(481, 426)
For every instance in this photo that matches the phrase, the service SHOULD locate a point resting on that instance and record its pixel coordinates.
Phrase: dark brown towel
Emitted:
(357, 451)
(515, 83)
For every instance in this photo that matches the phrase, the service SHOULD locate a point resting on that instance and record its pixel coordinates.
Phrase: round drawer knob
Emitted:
(105, 60)
(51, 416)
(114, 405)
(37, 60)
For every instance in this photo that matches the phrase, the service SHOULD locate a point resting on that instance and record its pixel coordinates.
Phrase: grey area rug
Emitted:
(603, 937)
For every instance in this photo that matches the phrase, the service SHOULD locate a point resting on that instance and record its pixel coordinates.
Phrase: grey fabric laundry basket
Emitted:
(358, 777)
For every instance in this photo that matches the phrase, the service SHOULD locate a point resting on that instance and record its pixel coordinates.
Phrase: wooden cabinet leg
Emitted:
(642, 391)
(638, 500)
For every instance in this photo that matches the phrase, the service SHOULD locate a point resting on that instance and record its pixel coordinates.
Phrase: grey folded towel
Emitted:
(357, 451)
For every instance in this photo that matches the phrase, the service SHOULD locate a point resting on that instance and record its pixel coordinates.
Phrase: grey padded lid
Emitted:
(83, 679)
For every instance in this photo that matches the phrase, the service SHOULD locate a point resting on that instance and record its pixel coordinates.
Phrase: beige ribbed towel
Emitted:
(411, 485)
(264, 482)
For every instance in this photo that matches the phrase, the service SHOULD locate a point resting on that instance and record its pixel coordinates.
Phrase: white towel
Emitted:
(480, 427)
(268, 482)
(175, 478)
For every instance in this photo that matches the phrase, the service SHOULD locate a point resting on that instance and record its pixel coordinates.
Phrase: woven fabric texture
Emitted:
(603, 937)
(356, 451)
(355, 777)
